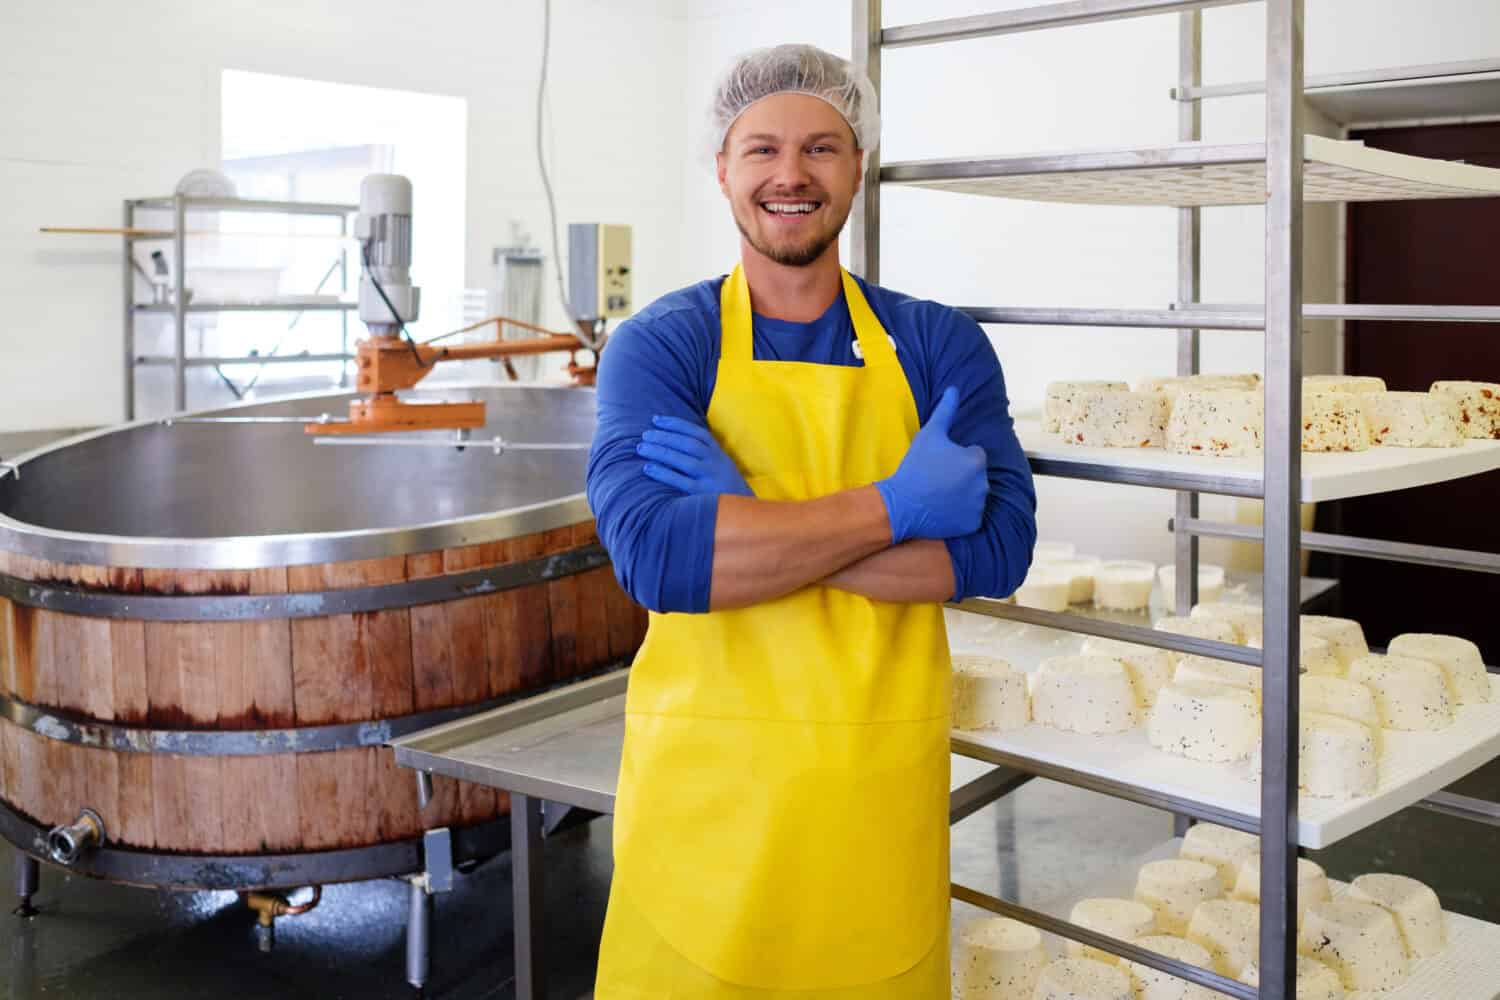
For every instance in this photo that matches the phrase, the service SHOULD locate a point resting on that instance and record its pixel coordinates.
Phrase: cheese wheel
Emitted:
(1045, 589)
(1229, 929)
(1152, 984)
(1478, 406)
(1210, 583)
(1342, 697)
(1202, 670)
(1319, 657)
(1338, 757)
(1342, 383)
(1413, 420)
(1084, 694)
(1312, 884)
(1463, 667)
(998, 958)
(1124, 585)
(1149, 668)
(1216, 422)
(1174, 888)
(1080, 571)
(1219, 846)
(1047, 551)
(1124, 919)
(1245, 618)
(1418, 913)
(1346, 635)
(1083, 979)
(1059, 394)
(1113, 419)
(1315, 981)
(1172, 386)
(1199, 628)
(988, 693)
(1209, 722)
(1411, 694)
(1334, 421)
(1359, 941)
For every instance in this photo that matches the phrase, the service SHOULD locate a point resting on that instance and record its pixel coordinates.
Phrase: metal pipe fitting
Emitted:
(66, 844)
(270, 905)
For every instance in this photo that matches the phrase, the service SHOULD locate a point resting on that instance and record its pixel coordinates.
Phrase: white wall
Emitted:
(107, 101)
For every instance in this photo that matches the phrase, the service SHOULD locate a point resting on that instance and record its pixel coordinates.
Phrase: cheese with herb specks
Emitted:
(1229, 929)
(1312, 884)
(1060, 394)
(1411, 694)
(1174, 888)
(1114, 420)
(1045, 589)
(1418, 913)
(1152, 984)
(1083, 979)
(1468, 680)
(1214, 629)
(1346, 634)
(988, 693)
(1084, 694)
(1149, 668)
(1340, 696)
(1478, 406)
(1211, 722)
(1080, 570)
(998, 958)
(1413, 420)
(1219, 846)
(1338, 757)
(1315, 981)
(1246, 618)
(1217, 422)
(1123, 585)
(1124, 919)
(1359, 941)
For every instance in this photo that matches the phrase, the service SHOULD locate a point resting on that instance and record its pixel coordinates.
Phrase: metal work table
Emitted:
(564, 747)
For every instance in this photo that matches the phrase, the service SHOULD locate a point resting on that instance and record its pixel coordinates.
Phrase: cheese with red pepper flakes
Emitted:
(1114, 419)
(1059, 394)
(1342, 383)
(1478, 406)
(1216, 422)
(1413, 419)
(1172, 385)
(1334, 421)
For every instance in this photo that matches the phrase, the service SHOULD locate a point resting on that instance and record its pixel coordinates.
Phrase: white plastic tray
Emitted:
(1412, 765)
(1325, 476)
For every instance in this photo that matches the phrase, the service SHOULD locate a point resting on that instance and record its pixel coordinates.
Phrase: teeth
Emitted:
(790, 208)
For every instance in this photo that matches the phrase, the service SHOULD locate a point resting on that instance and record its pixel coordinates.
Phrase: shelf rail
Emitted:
(1329, 81)
(1038, 18)
(1351, 545)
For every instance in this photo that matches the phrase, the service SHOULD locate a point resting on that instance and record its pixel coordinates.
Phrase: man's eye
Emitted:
(760, 150)
(821, 149)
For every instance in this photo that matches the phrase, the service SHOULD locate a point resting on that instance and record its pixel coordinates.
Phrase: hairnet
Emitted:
(795, 69)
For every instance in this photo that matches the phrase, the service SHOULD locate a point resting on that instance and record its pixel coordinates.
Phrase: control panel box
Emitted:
(599, 271)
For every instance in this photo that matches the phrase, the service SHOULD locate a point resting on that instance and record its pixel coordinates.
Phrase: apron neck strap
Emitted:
(736, 320)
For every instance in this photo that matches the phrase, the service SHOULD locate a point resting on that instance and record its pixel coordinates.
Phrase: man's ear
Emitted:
(859, 175)
(721, 167)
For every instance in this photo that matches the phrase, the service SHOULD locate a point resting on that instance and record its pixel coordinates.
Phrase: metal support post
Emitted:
(864, 219)
(1189, 281)
(129, 298)
(343, 293)
(418, 934)
(179, 305)
(1283, 476)
(28, 881)
(526, 875)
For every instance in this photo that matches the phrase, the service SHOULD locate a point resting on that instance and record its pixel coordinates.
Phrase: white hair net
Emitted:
(795, 69)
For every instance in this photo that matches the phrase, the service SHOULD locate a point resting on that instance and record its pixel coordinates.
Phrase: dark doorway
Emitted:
(1434, 253)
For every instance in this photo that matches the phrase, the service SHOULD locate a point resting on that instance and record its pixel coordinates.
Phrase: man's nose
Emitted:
(791, 170)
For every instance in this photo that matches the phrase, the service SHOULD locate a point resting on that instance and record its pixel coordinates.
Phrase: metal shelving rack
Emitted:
(1281, 322)
(179, 205)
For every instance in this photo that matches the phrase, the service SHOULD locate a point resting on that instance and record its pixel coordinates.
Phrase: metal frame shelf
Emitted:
(179, 307)
(1287, 170)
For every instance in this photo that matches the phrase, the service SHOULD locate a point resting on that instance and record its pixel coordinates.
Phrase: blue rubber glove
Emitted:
(939, 490)
(688, 457)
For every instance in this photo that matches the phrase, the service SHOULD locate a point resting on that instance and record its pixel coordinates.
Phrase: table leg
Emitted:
(526, 894)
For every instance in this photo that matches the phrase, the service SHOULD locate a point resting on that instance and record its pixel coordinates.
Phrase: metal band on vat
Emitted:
(313, 604)
(66, 728)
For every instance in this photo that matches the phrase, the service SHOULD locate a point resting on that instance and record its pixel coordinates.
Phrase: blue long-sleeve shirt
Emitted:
(665, 359)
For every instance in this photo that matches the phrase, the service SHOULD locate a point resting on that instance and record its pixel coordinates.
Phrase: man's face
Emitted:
(790, 170)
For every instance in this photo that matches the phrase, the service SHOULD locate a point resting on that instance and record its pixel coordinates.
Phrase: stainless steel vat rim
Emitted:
(64, 728)
(236, 872)
(308, 604)
(265, 551)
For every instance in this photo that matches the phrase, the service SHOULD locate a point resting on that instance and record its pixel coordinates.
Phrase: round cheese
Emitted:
(1418, 913)
(1172, 386)
(1245, 619)
(1124, 919)
(1202, 670)
(1114, 419)
(1411, 694)
(1149, 668)
(988, 693)
(1342, 383)
(1060, 394)
(1315, 981)
(1151, 984)
(1083, 979)
(1080, 571)
(1342, 697)
(1468, 680)
(1359, 941)
(1209, 722)
(1174, 888)
(1318, 657)
(998, 958)
(1216, 422)
(1413, 420)
(1124, 585)
(1045, 589)
(1334, 421)
(1210, 583)
(1478, 406)
(1084, 694)
(1312, 884)
(1338, 757)
(1219, 846)
(1346, 635)
(1229, 929)
(1199, 628)
(1047, 551)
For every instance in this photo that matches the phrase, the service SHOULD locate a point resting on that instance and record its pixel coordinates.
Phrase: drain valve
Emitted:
(66, 844)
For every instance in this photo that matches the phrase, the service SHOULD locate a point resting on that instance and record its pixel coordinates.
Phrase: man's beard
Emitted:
(792, 256)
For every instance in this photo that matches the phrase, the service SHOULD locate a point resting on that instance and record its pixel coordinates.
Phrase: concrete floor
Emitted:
(1044, 846)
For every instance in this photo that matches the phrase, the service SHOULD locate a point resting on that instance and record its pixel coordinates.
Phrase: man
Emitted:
(792, 468)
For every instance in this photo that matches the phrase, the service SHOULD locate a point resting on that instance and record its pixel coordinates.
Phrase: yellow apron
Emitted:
(781, 823)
